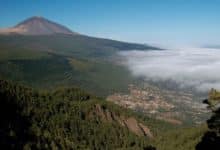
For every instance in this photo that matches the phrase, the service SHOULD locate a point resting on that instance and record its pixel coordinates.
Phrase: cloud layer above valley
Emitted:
(190, 67)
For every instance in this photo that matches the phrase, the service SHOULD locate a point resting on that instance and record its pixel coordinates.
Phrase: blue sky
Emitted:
(166, 22)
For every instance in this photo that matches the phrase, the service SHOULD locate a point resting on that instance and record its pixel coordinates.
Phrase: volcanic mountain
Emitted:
(37, 26)
(41, 33)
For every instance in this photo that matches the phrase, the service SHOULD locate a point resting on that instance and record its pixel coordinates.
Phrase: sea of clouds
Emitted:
(190, 67)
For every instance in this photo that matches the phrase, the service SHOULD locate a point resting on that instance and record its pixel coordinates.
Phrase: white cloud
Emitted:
(195, 67)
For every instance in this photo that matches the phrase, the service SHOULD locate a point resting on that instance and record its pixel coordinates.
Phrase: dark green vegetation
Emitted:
(180, 139)
(211, 139)
(62, 119)
(67, 118)
(63, 60)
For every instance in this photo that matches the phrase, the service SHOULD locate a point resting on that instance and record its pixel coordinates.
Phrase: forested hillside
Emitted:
(69, 118)
(62, 119)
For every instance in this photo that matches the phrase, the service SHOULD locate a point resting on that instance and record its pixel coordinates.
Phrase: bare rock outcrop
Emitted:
(130, 123)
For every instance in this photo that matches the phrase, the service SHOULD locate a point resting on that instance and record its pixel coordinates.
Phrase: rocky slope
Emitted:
(129, 122)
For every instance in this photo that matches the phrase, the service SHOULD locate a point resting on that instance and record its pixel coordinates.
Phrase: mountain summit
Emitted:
(37, 26)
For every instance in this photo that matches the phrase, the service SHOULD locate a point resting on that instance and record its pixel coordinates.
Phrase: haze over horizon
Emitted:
(167, 23)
